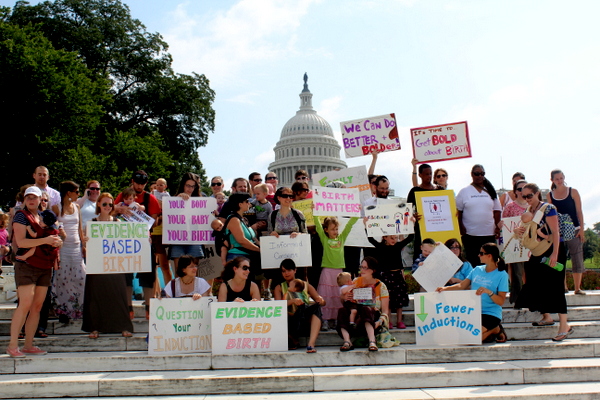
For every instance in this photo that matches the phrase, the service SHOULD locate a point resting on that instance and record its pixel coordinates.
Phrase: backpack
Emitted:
(530, 238)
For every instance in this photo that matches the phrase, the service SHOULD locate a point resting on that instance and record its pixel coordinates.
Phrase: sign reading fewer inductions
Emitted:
(448, 318)
(188, 221)
(250, 327)
(179, 326)
(441, 142)
(332, 202)
(362, 136)
(116, 247)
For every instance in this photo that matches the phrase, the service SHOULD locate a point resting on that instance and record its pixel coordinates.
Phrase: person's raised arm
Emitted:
(373, 162)
(414, 163)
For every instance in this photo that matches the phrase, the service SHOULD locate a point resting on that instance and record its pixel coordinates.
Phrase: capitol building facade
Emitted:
(306, 142)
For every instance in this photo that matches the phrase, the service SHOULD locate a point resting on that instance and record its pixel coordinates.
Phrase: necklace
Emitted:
(187, 283)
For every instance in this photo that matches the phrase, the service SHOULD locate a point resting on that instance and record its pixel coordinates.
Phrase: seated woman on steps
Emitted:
(187, 284)
(236, 286)
(490, 281)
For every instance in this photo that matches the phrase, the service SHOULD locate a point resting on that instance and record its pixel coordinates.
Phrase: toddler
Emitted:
(128, 196)
(45, 251)
(160, 191)
(427, 247)
(221, 199)
(344, 281)
(262, 207)
(4, 248)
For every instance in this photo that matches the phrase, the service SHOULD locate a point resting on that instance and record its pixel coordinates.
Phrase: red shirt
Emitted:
(153, 208)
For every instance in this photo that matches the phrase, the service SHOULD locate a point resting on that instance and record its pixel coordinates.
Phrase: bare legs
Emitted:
(31, 299)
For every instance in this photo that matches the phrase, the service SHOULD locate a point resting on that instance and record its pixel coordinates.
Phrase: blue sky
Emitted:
(524, 74)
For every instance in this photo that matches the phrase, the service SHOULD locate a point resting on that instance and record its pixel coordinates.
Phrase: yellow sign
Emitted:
(439, 219)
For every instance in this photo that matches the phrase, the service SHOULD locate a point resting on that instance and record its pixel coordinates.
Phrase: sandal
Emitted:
(562, 335)
(40, 334)
(94, 335)
(543, 323)
(373, 346)
(501, 336)
(310, 349)
(347, 346)
(127, 334)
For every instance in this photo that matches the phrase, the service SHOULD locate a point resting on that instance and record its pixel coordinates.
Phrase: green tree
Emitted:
(597, 228)
(591, 245)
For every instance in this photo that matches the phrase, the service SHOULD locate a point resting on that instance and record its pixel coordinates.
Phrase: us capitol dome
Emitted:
(306, 142)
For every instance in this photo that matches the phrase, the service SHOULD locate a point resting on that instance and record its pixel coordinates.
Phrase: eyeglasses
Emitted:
(94, 188)
(215, 184)
(441, 176)
(478, 173)
(454, 247)
(362, 267)
(481, 253)
(245, 267)
(286, 196)
(302, 178)
(190, 186)
(271, 178)
(107, 205)
(528, 196)
(257, 180)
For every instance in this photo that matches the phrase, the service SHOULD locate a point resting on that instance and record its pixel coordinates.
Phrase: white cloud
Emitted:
(244, 98)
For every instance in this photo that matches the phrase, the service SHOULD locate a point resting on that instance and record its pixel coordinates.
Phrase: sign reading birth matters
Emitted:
(362, 136)
(273, 250)
(188, 221)
(116, 247)
(438, 215)
(333, 202)
(180, 325)
(355, 177)
(249, 327)
(441, 142)
(448, 318)
(390, 219)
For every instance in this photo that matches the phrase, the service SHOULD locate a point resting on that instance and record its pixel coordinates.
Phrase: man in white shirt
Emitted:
(41, 177)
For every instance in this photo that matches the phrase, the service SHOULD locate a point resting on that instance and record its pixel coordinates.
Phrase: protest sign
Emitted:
(512, 249)
(210, 266)
(305, 207)
(273, 250)
(357, 236)
(437, 269)
(333, 202)
(441, 142)
(389, 219)
(188, 221)
(116, 247)
(438, 215)
(137, 215)
(249, 327)
(448, 318)
(179, 326)
(355, 177)
(361, 136)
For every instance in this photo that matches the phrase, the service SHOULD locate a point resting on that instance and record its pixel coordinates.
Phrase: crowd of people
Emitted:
(44, 237)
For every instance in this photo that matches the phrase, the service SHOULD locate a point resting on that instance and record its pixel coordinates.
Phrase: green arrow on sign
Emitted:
(422, 315)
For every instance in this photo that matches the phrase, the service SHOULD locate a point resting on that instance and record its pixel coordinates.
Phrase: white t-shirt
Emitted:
(478, 211)
(200, 286)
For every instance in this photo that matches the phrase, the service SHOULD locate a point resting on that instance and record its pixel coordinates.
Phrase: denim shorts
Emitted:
(179, 250)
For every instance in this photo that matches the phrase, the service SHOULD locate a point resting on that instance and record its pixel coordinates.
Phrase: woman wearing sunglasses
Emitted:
(87, 202)
(478, 214)
(236, 286)
(216, 185)
(106, 307)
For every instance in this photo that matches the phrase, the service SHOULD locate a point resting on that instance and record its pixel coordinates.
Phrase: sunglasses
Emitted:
(528, 196)
(303, 190)
(257, 180)
(481, 253)
(107, 205)
(140, 178)
(441, 176)
(519, 189)
(94, 188)
(286, 196)
(302, 178)
(245, 267)
(44, 200)
(478, 173)
(215, 184)
(271, 178)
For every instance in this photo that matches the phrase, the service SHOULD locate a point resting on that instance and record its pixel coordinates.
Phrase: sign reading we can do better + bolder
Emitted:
(362, 136)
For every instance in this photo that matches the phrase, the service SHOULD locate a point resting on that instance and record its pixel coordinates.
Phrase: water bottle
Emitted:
(559, 267)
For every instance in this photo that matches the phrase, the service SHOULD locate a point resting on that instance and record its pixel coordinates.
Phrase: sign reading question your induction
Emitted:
(116, 247)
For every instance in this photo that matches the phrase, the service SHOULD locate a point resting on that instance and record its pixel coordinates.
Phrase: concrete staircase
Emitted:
(528, 366)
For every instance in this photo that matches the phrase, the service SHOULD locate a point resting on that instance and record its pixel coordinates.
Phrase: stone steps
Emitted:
(282, 380)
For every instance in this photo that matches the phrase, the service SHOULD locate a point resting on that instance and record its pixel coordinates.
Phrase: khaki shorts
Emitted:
(26, 274)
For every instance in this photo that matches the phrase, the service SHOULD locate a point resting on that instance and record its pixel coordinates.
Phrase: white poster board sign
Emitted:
(437, 214)
(333, 202)
(448, 318)
(437, 269)
(390, 219)
(357, 236)
(361, 136)
(512, 249)
(179, 326)
(441, 142)
(249, 327)
(355, 177)
(117, 247)
(188, 221)
(210, 266)
(137, 215)
(273, 250)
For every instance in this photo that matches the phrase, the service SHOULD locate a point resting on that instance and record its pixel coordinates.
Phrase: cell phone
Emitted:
(88, 193)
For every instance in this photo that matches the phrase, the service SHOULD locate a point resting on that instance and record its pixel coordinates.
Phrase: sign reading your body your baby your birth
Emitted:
(441, 142)
(249, 327)
(362, 136)
(188, 221)
(117, 247)
(448, 318)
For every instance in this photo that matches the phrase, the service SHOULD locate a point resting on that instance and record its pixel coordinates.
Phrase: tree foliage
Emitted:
(131, 111)
(591, 245)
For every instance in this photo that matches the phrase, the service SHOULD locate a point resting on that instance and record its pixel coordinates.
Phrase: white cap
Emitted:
(33, 190)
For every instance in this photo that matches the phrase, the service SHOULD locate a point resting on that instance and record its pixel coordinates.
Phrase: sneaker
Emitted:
(324, 326)
(34, 351)
(15, 353)
(401, 325)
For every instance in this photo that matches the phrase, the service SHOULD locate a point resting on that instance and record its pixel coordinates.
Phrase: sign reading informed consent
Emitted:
(188, 221)
(117, 247)
(249, 327)
(273, 250)
(362, 136)
(441, 142)
(355, 177)
(180, 325)
(448, 318)
(333, 202)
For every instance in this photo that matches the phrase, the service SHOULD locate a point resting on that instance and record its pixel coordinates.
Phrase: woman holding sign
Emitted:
(490, 281)
(236, 286)
(106, 308)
